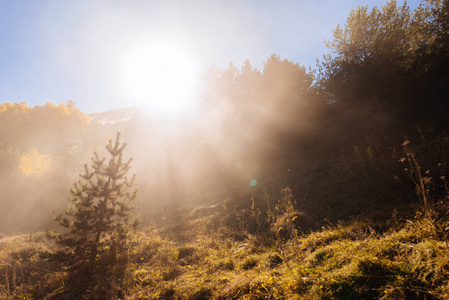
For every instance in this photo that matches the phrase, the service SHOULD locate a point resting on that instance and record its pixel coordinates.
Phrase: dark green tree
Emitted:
(101, 215)
(372, 55)
(388, 67)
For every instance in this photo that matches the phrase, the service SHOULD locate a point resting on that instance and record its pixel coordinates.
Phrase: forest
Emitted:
(288, 183)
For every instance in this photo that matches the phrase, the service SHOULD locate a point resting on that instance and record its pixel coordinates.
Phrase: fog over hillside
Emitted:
(249, 132)
(177, 163)
(272, 182)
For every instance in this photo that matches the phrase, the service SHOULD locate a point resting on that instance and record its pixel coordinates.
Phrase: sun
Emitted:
(161, 77)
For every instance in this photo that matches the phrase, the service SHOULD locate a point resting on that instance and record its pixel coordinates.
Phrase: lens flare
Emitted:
(253, 182)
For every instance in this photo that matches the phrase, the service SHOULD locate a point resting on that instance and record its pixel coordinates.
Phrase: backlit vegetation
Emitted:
(34, 163)
(203, 259)
(289, 184)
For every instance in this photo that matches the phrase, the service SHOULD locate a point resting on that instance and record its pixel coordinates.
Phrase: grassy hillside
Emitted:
(371, 223)
(287, 184)
(201, 259)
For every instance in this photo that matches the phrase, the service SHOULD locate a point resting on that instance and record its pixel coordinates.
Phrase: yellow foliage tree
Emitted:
(34, 163)
(23, 126)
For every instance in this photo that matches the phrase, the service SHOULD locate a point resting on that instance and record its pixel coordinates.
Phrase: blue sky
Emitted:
(53, 50)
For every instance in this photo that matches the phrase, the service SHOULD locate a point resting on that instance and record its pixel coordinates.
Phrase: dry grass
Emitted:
(337, 262)
(255, 253)
(26, 270)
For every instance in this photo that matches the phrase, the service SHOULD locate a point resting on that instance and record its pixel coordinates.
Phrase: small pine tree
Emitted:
(101, 217)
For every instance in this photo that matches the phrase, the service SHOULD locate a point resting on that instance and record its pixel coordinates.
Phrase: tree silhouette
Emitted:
(101, 217)
(389, 63)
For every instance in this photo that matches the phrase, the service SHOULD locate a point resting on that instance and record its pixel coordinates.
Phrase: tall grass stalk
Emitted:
(422, 183)
(8, 290)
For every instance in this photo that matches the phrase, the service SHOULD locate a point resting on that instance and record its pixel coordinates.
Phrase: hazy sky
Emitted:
(95, 52)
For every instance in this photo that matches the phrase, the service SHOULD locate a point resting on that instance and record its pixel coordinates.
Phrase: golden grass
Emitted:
(338, 262)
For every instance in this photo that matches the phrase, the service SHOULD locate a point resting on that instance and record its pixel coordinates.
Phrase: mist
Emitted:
(234, 143)
(248, 130)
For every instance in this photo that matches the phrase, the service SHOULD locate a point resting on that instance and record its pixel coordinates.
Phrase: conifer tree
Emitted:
(101, 215)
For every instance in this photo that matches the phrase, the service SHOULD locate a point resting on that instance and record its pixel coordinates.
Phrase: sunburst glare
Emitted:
(161, 77)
